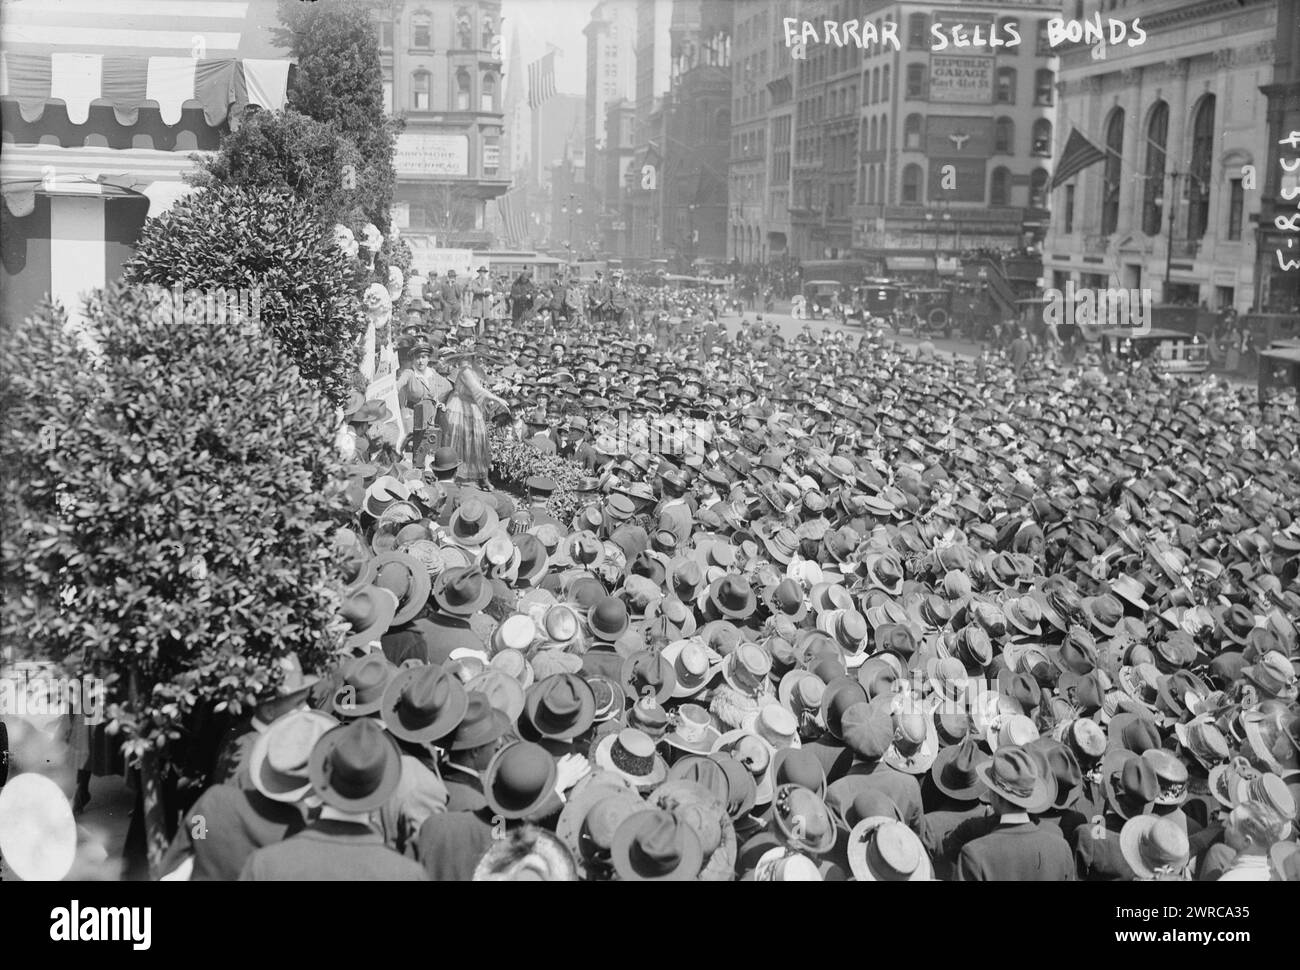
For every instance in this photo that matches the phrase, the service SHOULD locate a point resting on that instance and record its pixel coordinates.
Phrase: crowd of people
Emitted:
(829, 611)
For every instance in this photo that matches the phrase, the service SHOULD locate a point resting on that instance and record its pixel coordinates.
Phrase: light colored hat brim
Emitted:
(857, 852)
(38, 834)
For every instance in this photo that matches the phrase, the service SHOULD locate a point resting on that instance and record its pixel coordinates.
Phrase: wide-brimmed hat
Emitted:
(631, 754)
(423, 703)
(953, 771)
(732, 597)
(502, 690)
(883, 849)
(916, 741)
(647, 673)
(520, 780)
(692, 729)
(746, 669)
(278, 761)
(406, 578)
(481, 725)
(463, 591)
(1155, 847)
(561, 707)
(472, 523)
(1129, 782)
(655, 845)
(693, 664)
(362, 691)
(1013, 775)
(592, 813)
(801, 820)
(370, 611)
(355, 767)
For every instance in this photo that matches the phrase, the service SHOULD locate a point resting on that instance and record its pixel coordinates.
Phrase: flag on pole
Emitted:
(1079, 153)
(512, 217)
(541, 80)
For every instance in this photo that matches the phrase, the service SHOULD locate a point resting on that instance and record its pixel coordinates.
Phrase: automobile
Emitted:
(1173, 351)
(875, 298)
(818, 295)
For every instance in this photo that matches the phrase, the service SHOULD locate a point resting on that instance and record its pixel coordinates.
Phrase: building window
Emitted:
(388, 97)
(884, 133)
(1154, 181)
(1041, 138)
(884, 84)
(1235, 202)
(462, 90)
(1000, 187)
(1004, 136)
(488, 96)
(386, 35)
(1044, 86)
(912, 133)
(464, 29)
(916, 81)
(1111, 178)
(422, 32)
(875, 85)
(912, 183)
(1069, 209)
(1038, 189)
(488, 31)
(1006, 93)
(420, 90)
(875, 133)
(1044, 48)
(1198, 189)
(918, 29)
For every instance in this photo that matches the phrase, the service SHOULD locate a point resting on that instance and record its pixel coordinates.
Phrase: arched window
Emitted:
(916, 80)
(488, 95)
(1038, 189)
(883, 144)
(1198, 188)
(721, 123)
(912, 183)
(912, 133)
(1111, 178)
(1154, 188)
(1044, 86)
(488, 31)
(884, 84)
(1004, 136)
(872, 144)
(880, 184)
(422, 31)
(871, 184)
(462, 90)
(420, 90)
(875, 85)
(464, 29)
(1006, 93)
(1000, 187)
(1040, 142)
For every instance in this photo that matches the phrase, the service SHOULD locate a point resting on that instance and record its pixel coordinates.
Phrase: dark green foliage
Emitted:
(264, 240)
(168, 502)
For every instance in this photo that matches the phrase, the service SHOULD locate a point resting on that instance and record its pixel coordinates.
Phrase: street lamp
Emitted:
(572, 206)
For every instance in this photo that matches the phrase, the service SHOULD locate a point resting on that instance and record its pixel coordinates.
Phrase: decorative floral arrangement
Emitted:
(515, 461)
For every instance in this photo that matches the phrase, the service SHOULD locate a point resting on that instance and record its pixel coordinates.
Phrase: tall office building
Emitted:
(1180, 117)
(442, 72)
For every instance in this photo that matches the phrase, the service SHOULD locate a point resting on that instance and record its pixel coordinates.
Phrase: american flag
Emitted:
(511, 208)
(541, 80)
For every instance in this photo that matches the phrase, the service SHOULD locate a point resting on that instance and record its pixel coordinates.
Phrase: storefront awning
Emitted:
(909, 263)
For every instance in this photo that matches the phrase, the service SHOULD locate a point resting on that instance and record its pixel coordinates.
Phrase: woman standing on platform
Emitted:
(464, 422)
(424, 391)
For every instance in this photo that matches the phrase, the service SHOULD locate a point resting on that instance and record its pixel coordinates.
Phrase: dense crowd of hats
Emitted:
(884, 619)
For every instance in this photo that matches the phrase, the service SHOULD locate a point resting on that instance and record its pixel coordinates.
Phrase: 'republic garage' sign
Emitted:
(961, 79)
(418, 153)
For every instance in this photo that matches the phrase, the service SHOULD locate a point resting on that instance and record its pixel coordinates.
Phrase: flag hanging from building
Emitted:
(513, 218)
(1079, 153)
(541, 80)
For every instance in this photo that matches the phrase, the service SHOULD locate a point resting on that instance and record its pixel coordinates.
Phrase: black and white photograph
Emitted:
(650, 440)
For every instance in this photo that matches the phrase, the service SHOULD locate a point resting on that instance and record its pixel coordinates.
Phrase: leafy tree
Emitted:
(266, 242)
(168, 500)
(286, 148)
(338, 81)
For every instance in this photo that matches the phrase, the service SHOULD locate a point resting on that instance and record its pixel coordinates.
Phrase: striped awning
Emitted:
(129, 54)
(159, 175)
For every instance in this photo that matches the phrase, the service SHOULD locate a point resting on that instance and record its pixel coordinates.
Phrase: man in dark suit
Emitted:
(1017, 849)
(227, 825)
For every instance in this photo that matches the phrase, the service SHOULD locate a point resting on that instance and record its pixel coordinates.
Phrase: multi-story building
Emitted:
(1182, 122)
(611, 78)
(442, 73)
(616, 167)
(954, 140)
(753, 58)
(653, 58)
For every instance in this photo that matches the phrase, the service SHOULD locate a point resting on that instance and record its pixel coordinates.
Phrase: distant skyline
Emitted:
(558, 22)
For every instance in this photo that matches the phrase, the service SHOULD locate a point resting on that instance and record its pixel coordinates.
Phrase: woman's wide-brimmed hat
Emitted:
(655, 845)
(462, 591)
(561, 707)
(472, 523)
(631, 754)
